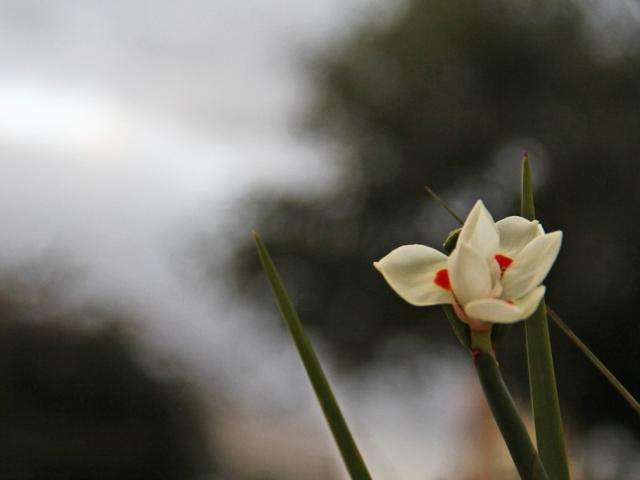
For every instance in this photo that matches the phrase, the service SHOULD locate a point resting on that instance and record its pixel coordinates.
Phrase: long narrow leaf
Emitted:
(564, 328)
(613, 380)
(347, 446)
(542, 381)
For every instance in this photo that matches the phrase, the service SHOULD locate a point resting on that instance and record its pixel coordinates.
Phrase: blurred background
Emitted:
(141, 142)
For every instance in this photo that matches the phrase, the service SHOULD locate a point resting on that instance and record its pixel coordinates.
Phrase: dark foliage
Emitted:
(77, 403)
(449, 93)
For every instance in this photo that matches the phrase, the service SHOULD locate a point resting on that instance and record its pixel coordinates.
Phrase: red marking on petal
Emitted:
(503, 261)
(510, 302)
(442, 279)
(475, 353)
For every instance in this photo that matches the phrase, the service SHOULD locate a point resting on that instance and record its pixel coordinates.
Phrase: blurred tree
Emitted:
(449, 93)
(76, 402)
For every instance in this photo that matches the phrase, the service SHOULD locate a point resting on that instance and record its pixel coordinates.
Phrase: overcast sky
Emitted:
(129, 126)
(126, 127)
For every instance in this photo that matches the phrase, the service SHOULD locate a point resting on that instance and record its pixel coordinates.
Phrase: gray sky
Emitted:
(125, 122)
(126, 127)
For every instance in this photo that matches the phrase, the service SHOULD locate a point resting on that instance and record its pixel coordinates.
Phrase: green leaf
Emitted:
(527, 205)
(451, 241)
(542, 381)
(341, 434)
(500, 330)
(597, 363)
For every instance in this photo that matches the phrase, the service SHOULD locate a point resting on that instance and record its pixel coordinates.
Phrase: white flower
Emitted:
(493, 275)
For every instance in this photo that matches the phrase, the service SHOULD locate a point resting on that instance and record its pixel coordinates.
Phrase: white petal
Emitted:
(531, 265)
(530, 301)
(469, 274)
(515, 234)
(479, 231)
(493, 310)
(496, 310)
(410, 271)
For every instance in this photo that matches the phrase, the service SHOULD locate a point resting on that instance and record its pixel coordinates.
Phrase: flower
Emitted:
(493, 275)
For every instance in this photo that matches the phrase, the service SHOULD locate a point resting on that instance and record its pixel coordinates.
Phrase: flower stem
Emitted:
(504, 411)
(611, 378)
(481, 340)
(460, 329)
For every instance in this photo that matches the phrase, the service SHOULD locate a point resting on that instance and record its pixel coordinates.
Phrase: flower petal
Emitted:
(495, 310)
(531, 265)
(469, 273)
(410, 270)
(530, 301)
(479, 231)
(516, 233)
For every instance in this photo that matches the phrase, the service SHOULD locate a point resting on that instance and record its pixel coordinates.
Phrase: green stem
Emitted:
(504, 411)
(611, 378)
(482, 341)
(460, 329)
